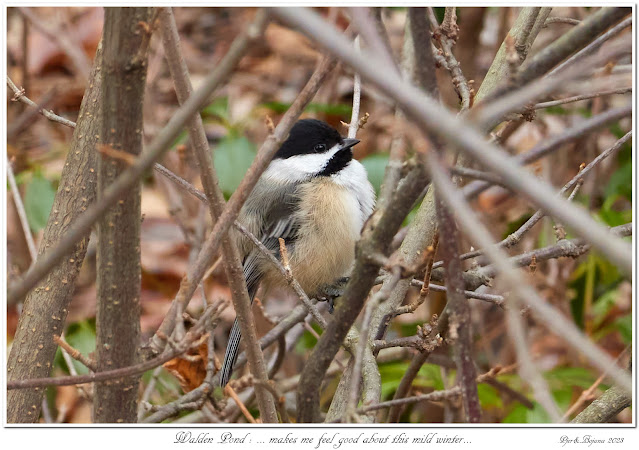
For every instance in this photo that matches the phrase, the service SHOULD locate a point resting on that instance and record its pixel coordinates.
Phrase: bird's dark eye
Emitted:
(320, 148)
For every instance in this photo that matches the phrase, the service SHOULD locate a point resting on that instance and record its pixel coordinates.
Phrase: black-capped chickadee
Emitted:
(316, 197)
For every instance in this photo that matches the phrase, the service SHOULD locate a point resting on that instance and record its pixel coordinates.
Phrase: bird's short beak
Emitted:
(348, 143)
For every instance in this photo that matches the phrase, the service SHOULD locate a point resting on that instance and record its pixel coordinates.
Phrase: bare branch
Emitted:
(606, 407)
(459, 323)
(566, 20)
(74, 353)
(575, 39)
(499, 70)
(34, 350)
(357, 96)
(527, 368)
(19, 96)
(446, 39)
(22, 215)
(555, 142)
(578, 98)
(124, 63)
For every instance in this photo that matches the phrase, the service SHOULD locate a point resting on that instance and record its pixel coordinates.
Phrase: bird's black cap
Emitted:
(309, 136)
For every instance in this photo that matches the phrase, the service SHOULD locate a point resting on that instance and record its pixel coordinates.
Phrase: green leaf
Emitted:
(218, 109)
(429, 376)
(612, 216)
(567, 377)
(391, 374)
(519, 414)
(307, 341)
(375, 166)
(488, 396)
(38, 201)
(603, 305)
(624, 326)
(620, 182)
(439, 13)
(432, 374)
(233, 157)
(538, 413)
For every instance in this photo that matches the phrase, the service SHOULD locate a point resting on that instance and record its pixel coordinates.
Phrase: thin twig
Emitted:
(84, 391)
(19, 96)
(436, 396)
(560, 232)
(527, 369)
(231, 393)
(578, 98)
(74, 353)
(489, 298)
(425, 285)
(357, 95)
(565, 20)
(28, 115)
(148, 390)
(22, 214)
(446, 39)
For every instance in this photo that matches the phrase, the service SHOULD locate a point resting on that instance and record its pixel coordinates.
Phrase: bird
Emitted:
(316, 197)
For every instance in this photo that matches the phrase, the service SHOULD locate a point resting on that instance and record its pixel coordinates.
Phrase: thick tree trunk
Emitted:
(126, 37)
(45, 307)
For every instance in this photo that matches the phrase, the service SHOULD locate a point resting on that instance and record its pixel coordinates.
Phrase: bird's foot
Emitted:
(331, 291)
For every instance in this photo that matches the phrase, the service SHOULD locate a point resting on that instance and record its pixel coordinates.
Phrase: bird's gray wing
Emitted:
(276, 209)
(278, 220)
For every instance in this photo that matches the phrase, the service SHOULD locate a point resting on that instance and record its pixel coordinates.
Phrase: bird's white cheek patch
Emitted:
(299, 167)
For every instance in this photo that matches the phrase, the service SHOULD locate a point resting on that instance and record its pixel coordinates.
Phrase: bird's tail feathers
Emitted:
(233, 346)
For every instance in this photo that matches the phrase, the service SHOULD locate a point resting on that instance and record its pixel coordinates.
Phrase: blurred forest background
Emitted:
(50, 53)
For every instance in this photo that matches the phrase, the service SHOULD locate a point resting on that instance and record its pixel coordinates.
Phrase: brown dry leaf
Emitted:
(190, 368)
